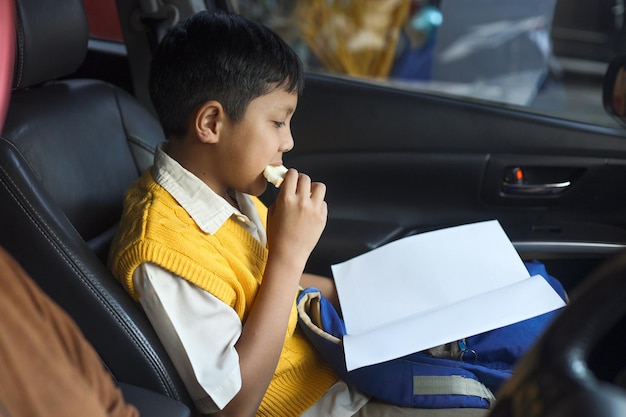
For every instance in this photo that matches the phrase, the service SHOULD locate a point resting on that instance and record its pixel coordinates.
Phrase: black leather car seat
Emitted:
(68, 151)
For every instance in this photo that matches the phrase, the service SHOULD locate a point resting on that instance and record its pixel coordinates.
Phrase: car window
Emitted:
(103, 20)
(540, 56)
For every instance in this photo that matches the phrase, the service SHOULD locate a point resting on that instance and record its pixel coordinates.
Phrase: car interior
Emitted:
(69, 150)
(396, 163)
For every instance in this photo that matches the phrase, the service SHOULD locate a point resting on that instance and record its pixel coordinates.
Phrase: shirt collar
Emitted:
(205, 206)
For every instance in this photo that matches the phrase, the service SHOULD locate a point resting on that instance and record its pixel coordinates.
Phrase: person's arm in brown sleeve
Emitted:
(48, 367)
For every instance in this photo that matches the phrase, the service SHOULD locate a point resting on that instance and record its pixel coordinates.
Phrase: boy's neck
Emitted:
(232, 199)
(190, 158)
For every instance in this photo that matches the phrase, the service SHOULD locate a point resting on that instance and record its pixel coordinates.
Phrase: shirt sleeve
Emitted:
(197, 330)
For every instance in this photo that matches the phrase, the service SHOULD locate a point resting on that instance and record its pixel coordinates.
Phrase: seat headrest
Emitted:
(52, 38)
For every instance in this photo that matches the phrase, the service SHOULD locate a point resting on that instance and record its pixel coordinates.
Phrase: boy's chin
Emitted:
(259, 187)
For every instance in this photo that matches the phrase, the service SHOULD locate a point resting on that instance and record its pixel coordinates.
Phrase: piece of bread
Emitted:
(275, 174)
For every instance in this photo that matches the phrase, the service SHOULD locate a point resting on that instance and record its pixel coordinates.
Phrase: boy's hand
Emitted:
(296, 220)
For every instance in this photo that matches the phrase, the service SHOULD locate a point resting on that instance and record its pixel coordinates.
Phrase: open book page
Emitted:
(433, 288)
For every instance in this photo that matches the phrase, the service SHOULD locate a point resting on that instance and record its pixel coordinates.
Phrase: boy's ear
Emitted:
(208, 121)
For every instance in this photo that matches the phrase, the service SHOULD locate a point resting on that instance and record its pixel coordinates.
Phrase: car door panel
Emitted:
(421, 162)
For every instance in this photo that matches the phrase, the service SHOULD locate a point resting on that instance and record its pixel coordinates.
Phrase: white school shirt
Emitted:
(203, 349)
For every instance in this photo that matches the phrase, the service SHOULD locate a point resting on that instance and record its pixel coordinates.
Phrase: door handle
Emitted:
(534, 189)
(535, 182)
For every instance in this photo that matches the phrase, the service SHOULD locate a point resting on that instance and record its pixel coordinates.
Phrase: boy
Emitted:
(217, 280)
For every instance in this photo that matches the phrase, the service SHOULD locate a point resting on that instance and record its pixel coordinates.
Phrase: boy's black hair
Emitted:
(218, 56)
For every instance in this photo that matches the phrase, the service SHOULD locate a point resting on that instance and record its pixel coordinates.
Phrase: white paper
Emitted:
(433, 288)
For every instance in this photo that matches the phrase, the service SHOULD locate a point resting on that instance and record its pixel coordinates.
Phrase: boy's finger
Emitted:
(318, 191)
(304, 185)
(290, 181)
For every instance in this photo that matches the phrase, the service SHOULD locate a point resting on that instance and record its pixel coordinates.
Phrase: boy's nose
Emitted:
(288, 143)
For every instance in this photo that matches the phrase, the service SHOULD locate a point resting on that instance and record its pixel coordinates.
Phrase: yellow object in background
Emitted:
(353, 37)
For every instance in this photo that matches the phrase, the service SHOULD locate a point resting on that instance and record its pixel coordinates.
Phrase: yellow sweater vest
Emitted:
(229, 264)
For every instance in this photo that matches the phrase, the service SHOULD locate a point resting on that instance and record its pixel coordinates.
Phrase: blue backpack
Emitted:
(464, 373)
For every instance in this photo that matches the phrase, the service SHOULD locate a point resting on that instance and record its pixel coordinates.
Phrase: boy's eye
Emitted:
(279, 124)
